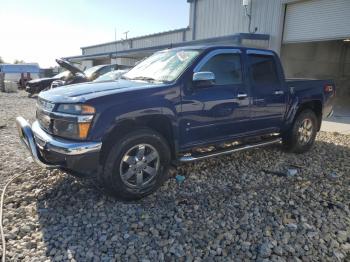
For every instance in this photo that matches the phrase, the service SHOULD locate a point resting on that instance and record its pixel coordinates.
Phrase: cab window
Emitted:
(226, 67)
(263, 69)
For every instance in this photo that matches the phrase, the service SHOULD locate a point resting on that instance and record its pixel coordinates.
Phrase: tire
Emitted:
(301, 136)
(118, 175)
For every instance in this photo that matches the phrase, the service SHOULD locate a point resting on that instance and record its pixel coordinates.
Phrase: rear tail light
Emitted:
(328, 89)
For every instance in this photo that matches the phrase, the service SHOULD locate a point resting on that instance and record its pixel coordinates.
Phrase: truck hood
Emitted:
(68, 66)
(80, 93)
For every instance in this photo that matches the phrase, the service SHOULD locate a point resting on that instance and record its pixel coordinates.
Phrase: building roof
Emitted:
(19, 68)
(235, 39)
(139, 37)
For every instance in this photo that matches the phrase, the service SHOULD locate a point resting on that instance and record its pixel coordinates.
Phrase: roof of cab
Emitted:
(213, 47)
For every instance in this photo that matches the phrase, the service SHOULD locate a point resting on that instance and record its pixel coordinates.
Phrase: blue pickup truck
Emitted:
(178, 105)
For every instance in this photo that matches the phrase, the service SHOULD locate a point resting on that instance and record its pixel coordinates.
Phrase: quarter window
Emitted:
(226, 67)
(105, 70)
(263, 69)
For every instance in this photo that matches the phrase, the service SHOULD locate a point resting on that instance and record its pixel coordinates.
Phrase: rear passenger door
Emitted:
(268, 94)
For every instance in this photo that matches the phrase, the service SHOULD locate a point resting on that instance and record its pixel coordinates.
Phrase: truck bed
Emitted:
(311, 89)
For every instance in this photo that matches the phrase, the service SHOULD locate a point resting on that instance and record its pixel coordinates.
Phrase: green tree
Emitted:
(18, 61)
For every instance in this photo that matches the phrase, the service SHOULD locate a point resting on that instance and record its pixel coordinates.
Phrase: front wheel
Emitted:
(301, 136)
(136, 165)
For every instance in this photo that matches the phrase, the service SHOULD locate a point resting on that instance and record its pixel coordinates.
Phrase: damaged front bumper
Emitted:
(52, 152)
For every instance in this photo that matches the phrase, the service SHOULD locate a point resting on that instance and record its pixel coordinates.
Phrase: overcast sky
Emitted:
(42, 30)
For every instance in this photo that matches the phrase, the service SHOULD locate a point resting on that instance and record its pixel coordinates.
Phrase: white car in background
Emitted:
(111, 76)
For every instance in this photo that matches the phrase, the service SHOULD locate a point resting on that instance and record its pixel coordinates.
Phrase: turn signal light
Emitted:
(83, 130)
(85, 109)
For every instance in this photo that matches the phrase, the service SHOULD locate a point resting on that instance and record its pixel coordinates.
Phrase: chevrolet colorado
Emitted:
(178, 105)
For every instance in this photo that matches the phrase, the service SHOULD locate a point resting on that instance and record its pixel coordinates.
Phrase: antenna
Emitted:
(126, 34)
(246, 4)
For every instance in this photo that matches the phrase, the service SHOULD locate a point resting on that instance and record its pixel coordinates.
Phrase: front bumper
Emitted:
(51, 152)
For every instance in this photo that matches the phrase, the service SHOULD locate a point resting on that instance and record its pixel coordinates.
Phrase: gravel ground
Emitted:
(226, 209)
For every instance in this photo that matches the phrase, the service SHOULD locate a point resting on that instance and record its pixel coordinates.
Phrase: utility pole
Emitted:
(126, 35)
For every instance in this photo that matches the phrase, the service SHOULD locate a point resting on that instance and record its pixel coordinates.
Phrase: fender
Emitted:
(292, 110)
(295, 105)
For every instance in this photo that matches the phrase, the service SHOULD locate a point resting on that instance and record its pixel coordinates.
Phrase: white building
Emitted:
(312, 36)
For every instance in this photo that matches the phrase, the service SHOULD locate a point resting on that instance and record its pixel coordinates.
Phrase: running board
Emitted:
(229, 151)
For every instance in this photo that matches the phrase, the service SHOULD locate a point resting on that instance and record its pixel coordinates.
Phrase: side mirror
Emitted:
(202, 79)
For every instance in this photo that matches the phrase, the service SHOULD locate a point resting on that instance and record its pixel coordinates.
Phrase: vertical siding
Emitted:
(226, 17)
(142, 42)
(216, 18)
(162, 39)
(317, 20)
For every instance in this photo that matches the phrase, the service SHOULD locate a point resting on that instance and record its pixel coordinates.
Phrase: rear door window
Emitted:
(263, 70)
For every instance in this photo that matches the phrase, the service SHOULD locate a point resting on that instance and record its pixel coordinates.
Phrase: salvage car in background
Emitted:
(72, 75)
(111, 76)
(80, 77)
(37, 85)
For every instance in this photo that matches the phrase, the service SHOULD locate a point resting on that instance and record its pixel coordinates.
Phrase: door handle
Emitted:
(278, 92)
(241, 96)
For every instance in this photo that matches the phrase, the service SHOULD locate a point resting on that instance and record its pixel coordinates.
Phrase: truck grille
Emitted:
(44, 120)
(43, 110)
(45, 105)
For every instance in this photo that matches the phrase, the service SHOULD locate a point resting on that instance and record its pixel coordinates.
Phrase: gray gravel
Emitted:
(226, 209)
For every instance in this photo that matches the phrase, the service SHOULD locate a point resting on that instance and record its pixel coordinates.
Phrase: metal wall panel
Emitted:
(317, 20)
(166, 38)
(162, 39)
(214, 18)
(255, 43)
(225, 17)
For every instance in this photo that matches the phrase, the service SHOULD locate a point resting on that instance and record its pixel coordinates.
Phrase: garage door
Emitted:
(317, 20)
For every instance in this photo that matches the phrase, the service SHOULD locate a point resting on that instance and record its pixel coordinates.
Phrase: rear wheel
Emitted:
(136, 165)
(302, 134)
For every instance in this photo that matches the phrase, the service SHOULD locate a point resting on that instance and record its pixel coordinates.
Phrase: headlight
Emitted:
(76, 109)
(76, 123)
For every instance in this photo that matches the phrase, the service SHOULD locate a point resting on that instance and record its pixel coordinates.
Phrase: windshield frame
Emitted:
(190, 63)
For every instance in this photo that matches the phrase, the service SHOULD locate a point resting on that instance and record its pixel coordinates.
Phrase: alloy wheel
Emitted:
(305, 131)
(139, 165)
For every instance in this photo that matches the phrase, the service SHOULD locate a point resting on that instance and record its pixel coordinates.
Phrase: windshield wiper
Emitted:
(124, 77)
(145, 78)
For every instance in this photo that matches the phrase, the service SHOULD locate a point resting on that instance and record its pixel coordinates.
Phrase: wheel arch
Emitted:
(298, 106)
(159, 123)
(313, 105)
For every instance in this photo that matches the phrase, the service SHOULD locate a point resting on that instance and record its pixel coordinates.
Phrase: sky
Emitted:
(41, 30)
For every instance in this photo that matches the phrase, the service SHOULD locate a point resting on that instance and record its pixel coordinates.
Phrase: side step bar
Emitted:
(229, 151)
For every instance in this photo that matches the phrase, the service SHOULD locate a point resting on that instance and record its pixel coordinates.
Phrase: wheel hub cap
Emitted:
(139, 165)
(305, 131)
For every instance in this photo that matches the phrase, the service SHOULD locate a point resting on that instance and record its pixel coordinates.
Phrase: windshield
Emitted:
(163, 66)
(62, 74)
(111, 76)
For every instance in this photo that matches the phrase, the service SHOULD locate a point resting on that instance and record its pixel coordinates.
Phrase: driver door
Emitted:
(216, 111)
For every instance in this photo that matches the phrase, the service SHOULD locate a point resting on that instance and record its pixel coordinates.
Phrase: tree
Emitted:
(2, 60)
(18, 61)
